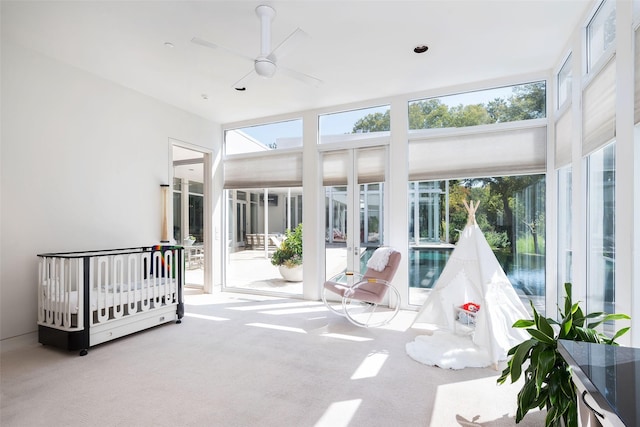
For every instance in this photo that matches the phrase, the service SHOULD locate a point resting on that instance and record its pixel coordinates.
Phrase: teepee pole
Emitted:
(471, 210)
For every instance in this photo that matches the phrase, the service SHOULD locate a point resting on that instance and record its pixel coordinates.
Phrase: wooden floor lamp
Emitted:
(164, 188)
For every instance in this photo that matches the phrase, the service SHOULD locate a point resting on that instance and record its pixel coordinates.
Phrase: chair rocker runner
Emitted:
(363, 295)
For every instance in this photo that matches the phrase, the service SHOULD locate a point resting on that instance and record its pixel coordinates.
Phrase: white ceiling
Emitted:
(360, 49)
(187, 164)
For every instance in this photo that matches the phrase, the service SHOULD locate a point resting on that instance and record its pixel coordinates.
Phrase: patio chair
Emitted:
(365, 297)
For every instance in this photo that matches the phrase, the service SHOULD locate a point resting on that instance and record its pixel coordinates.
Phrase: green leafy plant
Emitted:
(290, 251)
(547, 377)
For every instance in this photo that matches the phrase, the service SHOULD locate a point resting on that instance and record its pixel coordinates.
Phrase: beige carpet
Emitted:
(244, 360)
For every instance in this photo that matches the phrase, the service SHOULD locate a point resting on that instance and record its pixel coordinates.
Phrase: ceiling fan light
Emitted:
(265, 67)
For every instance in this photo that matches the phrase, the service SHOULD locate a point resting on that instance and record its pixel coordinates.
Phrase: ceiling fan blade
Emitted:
(293, 40)
(205, 43)
(305, 78)
(241, 84)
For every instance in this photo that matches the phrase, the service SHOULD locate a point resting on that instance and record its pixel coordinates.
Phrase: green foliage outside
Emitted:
(498, 208)
(290, 251)
(497, 240)
(527, 102)
(527, 245)
(376, 122)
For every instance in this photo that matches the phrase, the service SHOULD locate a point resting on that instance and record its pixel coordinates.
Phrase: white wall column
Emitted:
(312, 210)
(396, 193)
(578, 174)
(625, 193)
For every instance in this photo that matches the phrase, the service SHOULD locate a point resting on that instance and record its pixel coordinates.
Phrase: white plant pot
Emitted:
(291, 274)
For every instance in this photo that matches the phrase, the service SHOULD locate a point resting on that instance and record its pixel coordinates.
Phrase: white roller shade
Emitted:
(599, 109)
(564, 127)
(370, 163)
(335, 166)
(487, 153)
(264, 170)
(637, 76)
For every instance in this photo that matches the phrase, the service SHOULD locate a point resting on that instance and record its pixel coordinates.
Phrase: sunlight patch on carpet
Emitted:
(278, 327)
(205, 317)
(275, 306)
(370, 366)
(339, 414)
(347, 337)
(298, 310)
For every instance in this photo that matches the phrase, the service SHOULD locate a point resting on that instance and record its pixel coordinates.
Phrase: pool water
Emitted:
(525, 271)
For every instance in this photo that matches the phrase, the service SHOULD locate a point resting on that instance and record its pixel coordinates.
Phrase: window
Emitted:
(506, 104)
(196, 216)
(601, 232)
(355, 124)
(601, 33)
(511, 216)
(177, 210)
(564, 83)
(424, 207)
(565, 254)
(260, 138)
(636, 55)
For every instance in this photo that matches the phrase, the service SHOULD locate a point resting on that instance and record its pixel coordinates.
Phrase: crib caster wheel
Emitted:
(178, 321)
(83, 352)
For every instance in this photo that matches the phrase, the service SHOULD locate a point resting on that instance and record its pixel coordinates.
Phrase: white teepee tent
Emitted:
(472, 274)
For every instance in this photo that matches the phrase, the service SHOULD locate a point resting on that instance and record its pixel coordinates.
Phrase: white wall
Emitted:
(82, 163)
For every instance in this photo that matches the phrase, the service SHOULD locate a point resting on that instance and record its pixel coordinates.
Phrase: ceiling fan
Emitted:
(265, 65)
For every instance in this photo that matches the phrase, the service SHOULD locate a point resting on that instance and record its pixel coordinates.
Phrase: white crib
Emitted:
(87, 298)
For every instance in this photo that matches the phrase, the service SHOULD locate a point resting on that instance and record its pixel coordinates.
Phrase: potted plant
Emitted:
(288, 256)
(547, 377)
(189, 240)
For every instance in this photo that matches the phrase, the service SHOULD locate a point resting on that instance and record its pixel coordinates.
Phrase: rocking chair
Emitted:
(363, 295)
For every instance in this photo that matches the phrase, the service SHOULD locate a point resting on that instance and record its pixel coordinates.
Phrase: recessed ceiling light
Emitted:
(168, 44)
(421, 49)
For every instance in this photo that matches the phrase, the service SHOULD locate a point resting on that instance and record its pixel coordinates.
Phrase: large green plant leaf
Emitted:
(567, 387)
(526, 400)
(618, 334)
(543, 325)
(565, 328)
(541, 336)
(514, 365)
(553, 415)
(587, 335)
(523, 323)
(571, 419)
(608, 318)
(578, 316)
(567, 301)
(545, 363)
